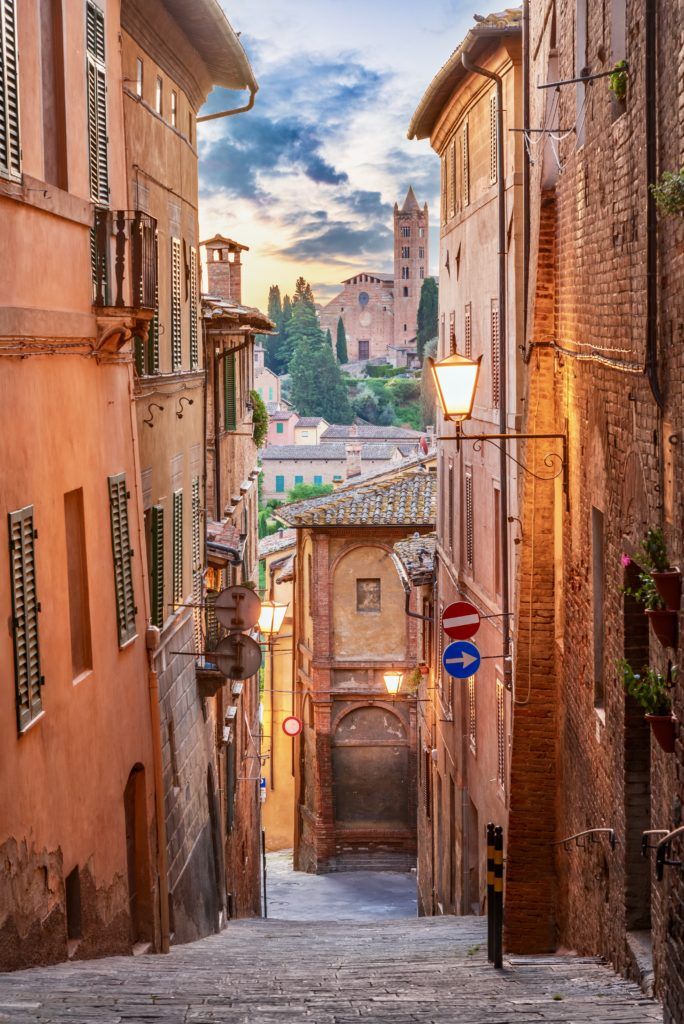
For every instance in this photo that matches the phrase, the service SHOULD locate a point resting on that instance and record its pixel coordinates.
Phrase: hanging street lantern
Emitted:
(271, 617)
(393, 681)
(455, 380)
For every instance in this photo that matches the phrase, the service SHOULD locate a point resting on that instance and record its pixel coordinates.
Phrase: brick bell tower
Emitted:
(411, 265)
(224, 267)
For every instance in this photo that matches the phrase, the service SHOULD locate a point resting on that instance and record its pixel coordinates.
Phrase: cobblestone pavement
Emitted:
(263, 972)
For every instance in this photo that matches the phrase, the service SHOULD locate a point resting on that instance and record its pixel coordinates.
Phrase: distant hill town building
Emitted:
(266, 382)
(380, 311)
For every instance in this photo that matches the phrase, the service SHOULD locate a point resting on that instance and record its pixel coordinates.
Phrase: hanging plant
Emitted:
(617, 80)
(653, 691)
(259, 419)
(669, 192)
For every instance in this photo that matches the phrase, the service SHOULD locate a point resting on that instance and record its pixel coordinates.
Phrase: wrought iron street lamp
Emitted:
(393, 681)
(271, 617)
(456, 382)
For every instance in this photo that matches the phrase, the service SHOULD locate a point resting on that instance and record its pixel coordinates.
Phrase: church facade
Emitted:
(380, 311)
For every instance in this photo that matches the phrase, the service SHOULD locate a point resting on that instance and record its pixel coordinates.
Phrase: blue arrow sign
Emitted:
(461, 659)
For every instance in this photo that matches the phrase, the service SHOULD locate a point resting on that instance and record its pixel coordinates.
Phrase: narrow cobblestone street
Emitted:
(427, 970)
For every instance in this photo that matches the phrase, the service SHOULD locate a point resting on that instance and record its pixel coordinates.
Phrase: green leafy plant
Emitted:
(646, 593)
(259, 419)
(617, 80)
(654, 551)
(652, 557)
(669, 192)
(650, 688)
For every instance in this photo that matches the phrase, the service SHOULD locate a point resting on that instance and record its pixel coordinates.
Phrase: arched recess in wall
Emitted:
(141, 910)
(370, 760)
(368, 621)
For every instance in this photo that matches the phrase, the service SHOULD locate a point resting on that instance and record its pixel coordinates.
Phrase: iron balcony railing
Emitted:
(124, 259)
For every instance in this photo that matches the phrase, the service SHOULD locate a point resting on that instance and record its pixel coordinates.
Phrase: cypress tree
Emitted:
(317, 385)
(428, 310)
(341, 344)
(328, 337)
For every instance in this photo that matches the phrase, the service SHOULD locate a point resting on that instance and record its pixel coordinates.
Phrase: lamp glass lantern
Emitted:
(271, 617)
(393, 681)
(455, 380)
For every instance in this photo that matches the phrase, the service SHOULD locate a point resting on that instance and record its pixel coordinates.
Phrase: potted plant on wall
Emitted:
(653, 691)
(617, 80)
(668, 192)
(660, 587)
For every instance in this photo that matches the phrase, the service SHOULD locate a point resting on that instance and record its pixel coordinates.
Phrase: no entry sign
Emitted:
(292, 726)
(461, 620)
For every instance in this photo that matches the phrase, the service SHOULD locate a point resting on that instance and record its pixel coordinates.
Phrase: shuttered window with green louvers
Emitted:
(177, 548)
(10, 146)
(123, 555)
(197, 562)
(96, 73)
(153, 329)
(176, 331)
(157, 566)
(229, 393)
(25, 607)
(194, 311)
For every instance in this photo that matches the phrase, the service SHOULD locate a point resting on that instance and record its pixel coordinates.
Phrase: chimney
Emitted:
(224, 268)
(353, 457)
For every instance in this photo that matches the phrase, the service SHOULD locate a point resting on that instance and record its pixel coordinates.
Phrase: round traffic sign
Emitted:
(461, 659)
(292, 726)
(461, 620)
(237, 656)
(238, 608)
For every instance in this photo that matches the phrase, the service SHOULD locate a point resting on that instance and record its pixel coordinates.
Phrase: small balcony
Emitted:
(123, 249)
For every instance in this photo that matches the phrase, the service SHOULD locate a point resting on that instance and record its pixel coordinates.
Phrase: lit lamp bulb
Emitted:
(271, 617)
(456, 382)
(393, 681)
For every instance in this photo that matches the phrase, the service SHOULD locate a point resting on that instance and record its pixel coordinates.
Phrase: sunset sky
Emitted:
(309, 177)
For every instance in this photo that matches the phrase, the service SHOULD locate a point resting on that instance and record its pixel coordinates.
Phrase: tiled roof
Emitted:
(440, 90)
(225, 534)
(215, 308)
(277, 542)
(286, 574)
(304, 452)
(400, 497)
(367, 432)
(281, 414)
(417, 558)
(310, 421)
(370, 452)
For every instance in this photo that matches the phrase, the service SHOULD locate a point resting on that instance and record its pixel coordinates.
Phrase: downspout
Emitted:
(651, 363)
(503, 389)
(236, 110)
(217, 434)
(526, 162)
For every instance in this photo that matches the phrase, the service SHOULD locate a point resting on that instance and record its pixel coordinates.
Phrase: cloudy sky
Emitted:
(309, 177)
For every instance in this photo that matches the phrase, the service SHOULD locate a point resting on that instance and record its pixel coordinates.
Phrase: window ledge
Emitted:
(82, 677)
(31, 724)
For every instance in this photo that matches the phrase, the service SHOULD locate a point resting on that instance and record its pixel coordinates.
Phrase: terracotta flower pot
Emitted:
(664, 729)
(664, 622)
(669, 586)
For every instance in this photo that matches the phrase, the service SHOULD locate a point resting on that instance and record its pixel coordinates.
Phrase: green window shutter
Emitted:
(197, 562)
(122, 553)
(318, 480)
(299, 480)
(280, 484)
(229, 393)
(280, 428)
(10, 147)
(153, 330)
(139, 355)
(194, 336)
(177, 548)
(176, 333)
(97, 104)
(25, 607)
(157, 573)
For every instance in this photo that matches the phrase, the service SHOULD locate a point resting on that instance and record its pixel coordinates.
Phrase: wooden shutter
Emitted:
(472, 714)
(492, 138)
(468, 332)
(157, 568)
(153, 330)
(25, 607)
(500, 735)
(197, 562)
(454, 193)
(449, 170)
(97, 104)
(10, 147)
(496, 379)
(177, 548)
(123, 553)
(176, 334)
(194, 338)
(466, 164)
(229, 395)
(469, 518)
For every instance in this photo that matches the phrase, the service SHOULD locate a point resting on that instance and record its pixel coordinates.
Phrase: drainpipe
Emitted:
(526, 161)
(503, 389)
(235, 110)
(651, 128)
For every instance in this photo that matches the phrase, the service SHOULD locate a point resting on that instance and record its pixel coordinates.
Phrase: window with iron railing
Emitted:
(124, 259)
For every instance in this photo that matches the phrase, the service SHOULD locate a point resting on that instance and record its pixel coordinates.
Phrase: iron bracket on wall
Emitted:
(550, 459)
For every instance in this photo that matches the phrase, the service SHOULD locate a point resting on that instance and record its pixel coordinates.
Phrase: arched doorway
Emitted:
(140, 902)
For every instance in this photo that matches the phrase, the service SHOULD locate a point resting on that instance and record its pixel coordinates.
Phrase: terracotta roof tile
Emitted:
(417, 558)
(279, 541)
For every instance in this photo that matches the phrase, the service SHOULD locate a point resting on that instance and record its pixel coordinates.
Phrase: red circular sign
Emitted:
(292, 726)
(461, 620)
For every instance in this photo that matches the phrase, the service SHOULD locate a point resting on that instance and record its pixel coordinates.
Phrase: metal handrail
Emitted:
(591, 832)
(662, 850)
(645, 845)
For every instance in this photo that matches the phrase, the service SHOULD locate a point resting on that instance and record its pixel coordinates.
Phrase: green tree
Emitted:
(302, 492)
(428, 397)
(317, 385)
(341, 343)
(428, 309)
(303, 293)
(271, 341)
(328, 337)
(259, 419)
